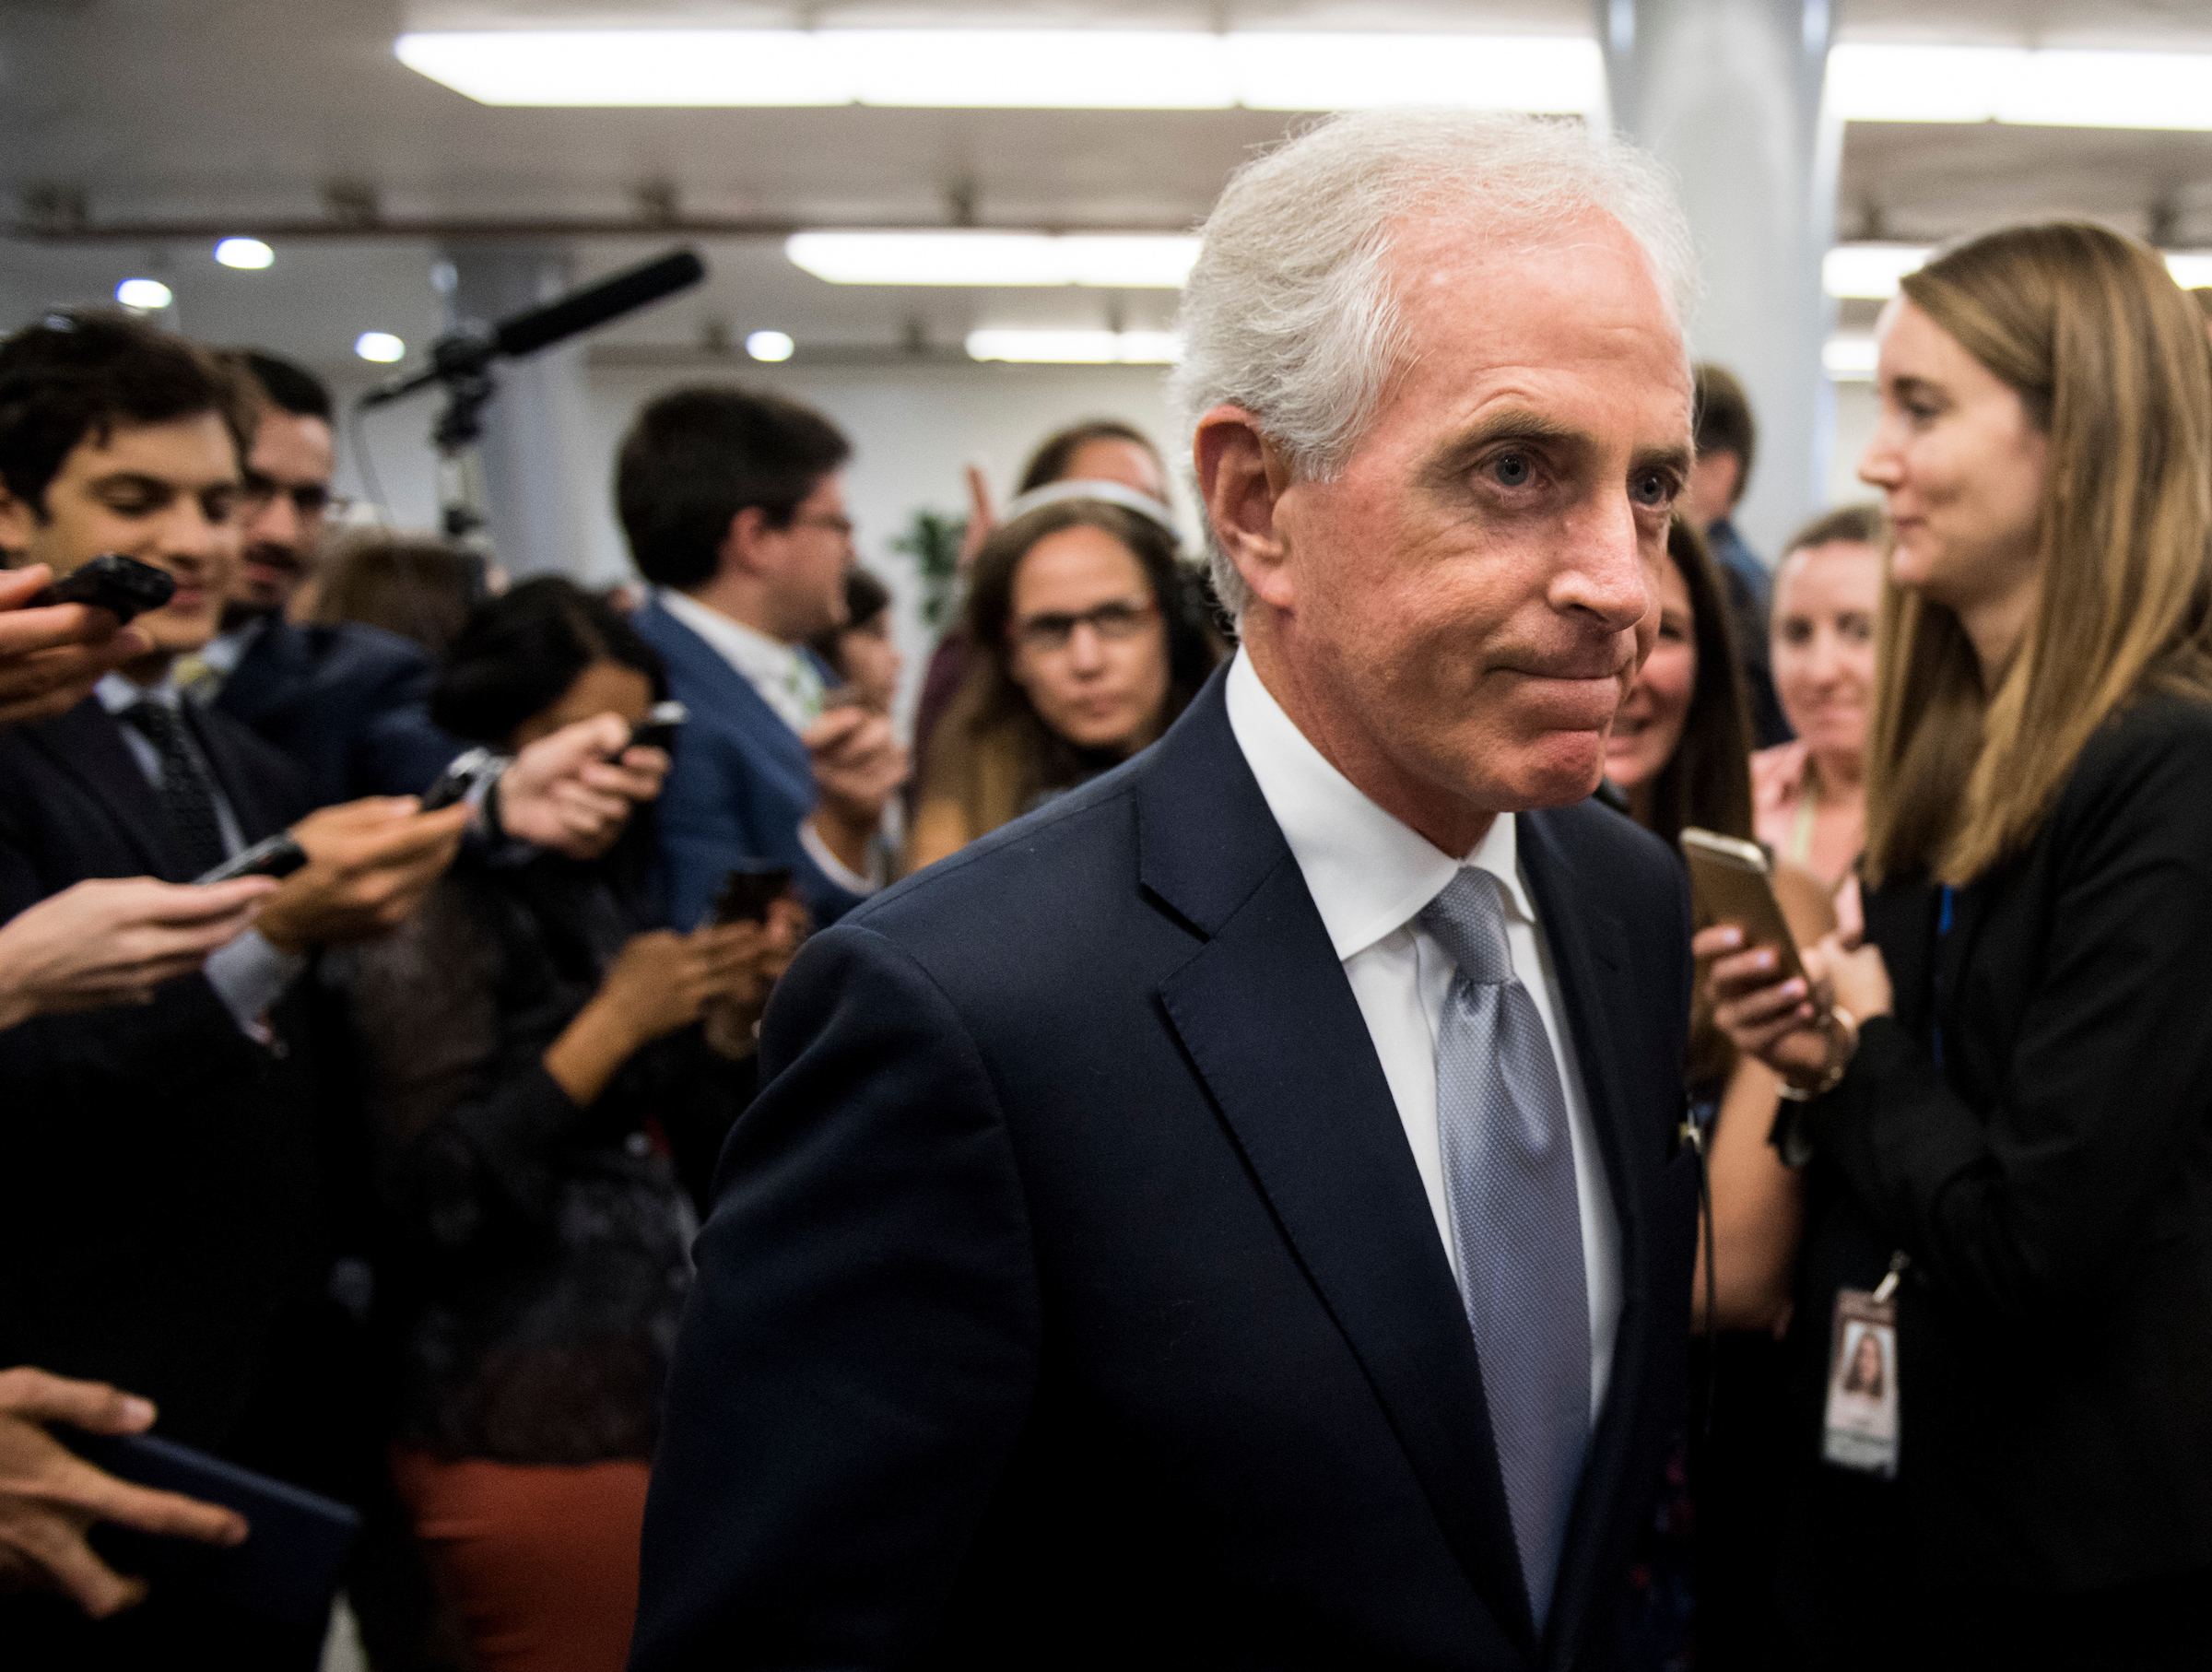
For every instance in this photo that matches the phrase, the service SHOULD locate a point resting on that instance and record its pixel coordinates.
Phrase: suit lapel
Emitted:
(1582, 939)
(736, 704)
(1272, 1027)
(248, 805)
(88, 745)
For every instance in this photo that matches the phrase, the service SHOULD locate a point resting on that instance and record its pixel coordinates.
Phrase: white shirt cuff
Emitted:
(249, 975)
(835, 869)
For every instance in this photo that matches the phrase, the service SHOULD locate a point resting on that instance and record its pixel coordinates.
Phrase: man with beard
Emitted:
(346, 701)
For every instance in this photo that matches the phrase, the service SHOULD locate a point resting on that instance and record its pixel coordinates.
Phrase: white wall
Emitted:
(913, 428)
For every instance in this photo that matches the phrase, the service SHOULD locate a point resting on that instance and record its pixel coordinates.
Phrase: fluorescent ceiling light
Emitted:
(1076, 348)
(1849, 359)
(1869, 270)
(381, 346)
(769, 345)
(2048, 88)
(1138, 261)
(145, 295)
(1872, 271)
(2191, 269)
(1001, 68)
(247, 254)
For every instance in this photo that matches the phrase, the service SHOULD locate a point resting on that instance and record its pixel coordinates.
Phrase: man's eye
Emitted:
(1513, 470)
(217, 506)
(1651, 488)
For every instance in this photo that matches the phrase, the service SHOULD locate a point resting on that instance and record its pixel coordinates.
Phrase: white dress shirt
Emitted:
(248, 973)
(789, 685)
(1369, 875)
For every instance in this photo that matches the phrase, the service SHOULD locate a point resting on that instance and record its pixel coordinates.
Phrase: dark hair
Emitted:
(291, 387)
(865, 599)
(694, 458)
(416, 586)
(992, 751)
(1707, 781)
(1864, 525)
(1723, 421)
(522, 650)
(1051, 461)
(76, 375)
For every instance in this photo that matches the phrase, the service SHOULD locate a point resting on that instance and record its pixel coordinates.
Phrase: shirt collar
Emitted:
(117, 693)
(1369, 872)
(748, 650)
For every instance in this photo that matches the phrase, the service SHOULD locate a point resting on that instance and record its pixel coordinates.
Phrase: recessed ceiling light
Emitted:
(1012, 68)
(1076, 348)
(381, 346)
(769, 346)
(1141, 261)
(1872, 271)
(145, 295)
(2191, 269)
(247, 254)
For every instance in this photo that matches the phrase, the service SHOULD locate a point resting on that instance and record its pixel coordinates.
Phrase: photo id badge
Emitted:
(1861, 1430)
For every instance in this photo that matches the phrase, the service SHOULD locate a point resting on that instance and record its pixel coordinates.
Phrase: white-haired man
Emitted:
(1231, 1217)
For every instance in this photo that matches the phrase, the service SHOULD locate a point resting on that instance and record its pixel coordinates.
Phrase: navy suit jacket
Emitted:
(1072, 1298)
(159, 1198)
(741, 785)
(348, 704)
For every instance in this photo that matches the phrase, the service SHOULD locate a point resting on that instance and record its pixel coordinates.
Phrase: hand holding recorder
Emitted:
(57, 640)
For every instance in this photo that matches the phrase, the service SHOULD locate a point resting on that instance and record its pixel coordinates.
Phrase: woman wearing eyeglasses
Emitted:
(1095, 643)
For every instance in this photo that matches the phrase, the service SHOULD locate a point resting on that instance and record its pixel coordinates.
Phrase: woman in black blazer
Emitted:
(2018, 1126)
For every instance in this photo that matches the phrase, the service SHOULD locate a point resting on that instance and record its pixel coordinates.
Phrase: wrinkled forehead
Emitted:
(1576, 295)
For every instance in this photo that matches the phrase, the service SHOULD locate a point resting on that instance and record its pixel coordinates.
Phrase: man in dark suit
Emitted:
(1231, 1218)
(348, 702)
(1727, 440)
(159, 1166)
(734, 506)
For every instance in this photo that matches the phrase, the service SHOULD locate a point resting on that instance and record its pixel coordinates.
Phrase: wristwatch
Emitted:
(1842, 1031)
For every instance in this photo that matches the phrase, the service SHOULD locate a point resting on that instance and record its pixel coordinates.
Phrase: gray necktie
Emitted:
(186, 796)
(1508, 1170)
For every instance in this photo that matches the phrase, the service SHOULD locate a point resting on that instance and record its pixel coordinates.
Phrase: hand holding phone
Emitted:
(658, 729)
(1733, 883)
(123, 587)
(747, 892)
(280, 856)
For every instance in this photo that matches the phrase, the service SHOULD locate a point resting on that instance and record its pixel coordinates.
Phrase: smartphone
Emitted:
(280, 855)
(1735, 884)
(123, 587)
(459, 780)
(745, 892)
(658, 729)
(295, 1545)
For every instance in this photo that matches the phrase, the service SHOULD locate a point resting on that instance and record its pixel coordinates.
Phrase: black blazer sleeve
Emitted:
(842, 1405)
(2037, 1196)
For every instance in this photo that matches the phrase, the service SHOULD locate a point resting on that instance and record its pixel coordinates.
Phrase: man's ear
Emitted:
(1241, 479)
(19, 522)
(744, 544)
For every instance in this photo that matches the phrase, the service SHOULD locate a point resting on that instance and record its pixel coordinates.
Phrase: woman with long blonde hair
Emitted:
(2005, 1096)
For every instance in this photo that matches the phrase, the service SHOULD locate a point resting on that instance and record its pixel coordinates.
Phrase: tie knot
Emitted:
(1468, 920)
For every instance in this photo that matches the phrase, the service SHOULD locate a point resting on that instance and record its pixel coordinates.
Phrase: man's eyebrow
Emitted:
(1677, 458)
(1510, 424)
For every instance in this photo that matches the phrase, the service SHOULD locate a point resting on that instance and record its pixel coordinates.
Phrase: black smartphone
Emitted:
(658, 729)
(297, 1542)
(280, 856)
(123, 587)
(745, 892)
(460, 778)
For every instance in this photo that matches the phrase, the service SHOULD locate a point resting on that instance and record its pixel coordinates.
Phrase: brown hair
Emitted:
(1859, 524)
(416, 586)
(1050, 463)
(2111, 362)
(992, 752)
(1723, 422)
(1707, 781)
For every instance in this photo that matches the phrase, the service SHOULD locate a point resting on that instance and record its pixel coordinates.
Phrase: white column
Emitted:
(1727, 93)
(538, 475)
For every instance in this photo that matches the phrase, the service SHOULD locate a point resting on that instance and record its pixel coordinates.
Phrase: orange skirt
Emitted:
(539, 1561)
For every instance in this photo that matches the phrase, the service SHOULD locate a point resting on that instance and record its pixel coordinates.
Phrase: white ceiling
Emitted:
(238, 114)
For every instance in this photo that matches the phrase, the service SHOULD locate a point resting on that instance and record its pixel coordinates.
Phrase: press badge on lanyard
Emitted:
(1861, 1431)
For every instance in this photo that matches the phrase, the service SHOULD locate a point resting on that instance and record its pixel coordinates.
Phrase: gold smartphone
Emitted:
(1735, 884)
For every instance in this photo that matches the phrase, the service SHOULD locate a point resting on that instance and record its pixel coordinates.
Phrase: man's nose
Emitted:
(1086, 649)
(1606, 572)
(276, 522)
